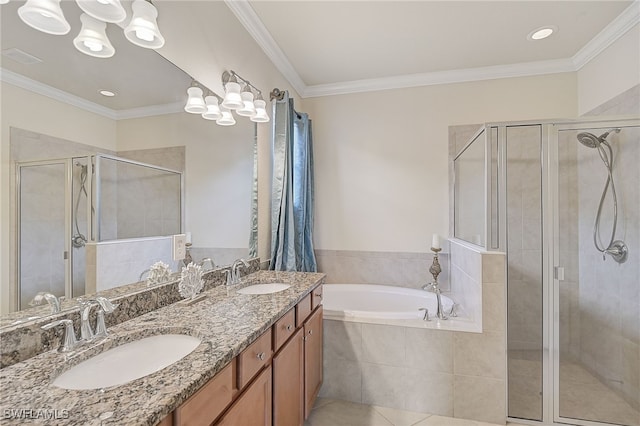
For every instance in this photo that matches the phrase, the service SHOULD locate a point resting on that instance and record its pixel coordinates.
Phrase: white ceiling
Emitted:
(332, 47)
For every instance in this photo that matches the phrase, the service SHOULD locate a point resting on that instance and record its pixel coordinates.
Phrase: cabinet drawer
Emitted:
(283, 329)
(316, 297)
(303, 309)
(210, 401)
(253, 358)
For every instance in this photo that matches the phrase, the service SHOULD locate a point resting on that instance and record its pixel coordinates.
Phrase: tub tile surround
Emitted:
(22, 341)
(443, 372)
(227, 323)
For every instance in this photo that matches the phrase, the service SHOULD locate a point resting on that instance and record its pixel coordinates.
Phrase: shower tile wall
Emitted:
(425, 370)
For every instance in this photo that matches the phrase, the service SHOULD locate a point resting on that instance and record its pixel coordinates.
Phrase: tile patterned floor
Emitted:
(330, 412)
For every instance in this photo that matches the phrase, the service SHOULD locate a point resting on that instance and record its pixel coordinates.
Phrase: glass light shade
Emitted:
(261, 115)
(143, 28)
(104, 10)
(232, 98)
(226, 119)
(213, 110)
(247, 109)
(92, 39)
(45, 16)
(4, 1)
(195, 103)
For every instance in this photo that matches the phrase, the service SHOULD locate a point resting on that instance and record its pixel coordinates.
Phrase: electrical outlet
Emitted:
(179, 246)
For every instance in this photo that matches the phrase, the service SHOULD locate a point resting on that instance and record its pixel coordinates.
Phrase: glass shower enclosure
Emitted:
(562, 200)
(65, 204)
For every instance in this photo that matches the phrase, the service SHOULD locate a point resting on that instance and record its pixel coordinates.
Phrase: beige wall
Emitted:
(612, 72)
(381, 157)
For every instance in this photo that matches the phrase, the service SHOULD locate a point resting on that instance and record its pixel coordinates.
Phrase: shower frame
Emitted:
(93, 187)
(495, 238)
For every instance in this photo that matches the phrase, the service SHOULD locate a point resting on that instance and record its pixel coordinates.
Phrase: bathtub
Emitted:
(382, 302)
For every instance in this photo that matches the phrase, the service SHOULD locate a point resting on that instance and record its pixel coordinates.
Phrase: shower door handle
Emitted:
(558, 273)
(65, 255)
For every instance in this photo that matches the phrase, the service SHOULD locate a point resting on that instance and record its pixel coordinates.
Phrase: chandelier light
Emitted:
(226, 119)
(232, 98)
(45, 16)
(143, 29)
(104, 10)
(261, 115)
(247, 109)
(92, 39)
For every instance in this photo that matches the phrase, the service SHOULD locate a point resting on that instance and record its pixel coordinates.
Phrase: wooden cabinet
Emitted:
(312, 359)
(210, 401)
(288, 383)
(253, 407)
(275, 380)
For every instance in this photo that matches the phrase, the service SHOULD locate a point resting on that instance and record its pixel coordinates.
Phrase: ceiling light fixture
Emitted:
(143, 29)
(107, 93)
(542, 32)
(249, 101)
(45, 16)
(104, 10)
(92, 39)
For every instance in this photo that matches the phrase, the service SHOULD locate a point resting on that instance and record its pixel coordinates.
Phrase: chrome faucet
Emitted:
(435, 288)
(233, 276)
(105, 305)
(51, 299)
(205, 260)
(69, 341)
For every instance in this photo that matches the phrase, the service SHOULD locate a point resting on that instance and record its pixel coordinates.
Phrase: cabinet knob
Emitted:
(261, 356)
(310, 332)
(318, 295)
(289, 327)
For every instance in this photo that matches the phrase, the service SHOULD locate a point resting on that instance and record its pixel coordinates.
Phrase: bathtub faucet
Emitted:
(435, 288)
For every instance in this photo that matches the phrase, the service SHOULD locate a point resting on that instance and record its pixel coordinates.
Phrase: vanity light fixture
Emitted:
(213, 107)
(45, 16)
(104, 10)
(143, 29)
(226, 119)
(195, 102)
(92, 39)
(232, 98)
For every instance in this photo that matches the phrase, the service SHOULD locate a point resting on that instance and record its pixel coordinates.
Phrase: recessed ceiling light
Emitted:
(107, 93)
(543, 32)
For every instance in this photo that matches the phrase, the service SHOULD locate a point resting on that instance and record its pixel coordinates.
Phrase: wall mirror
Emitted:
(58, 129)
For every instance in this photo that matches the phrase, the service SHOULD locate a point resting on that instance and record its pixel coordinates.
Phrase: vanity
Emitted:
(259, 363)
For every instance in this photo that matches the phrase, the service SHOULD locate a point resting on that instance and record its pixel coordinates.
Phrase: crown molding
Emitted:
(252, 23)
(53, 93)
(441, 77)
(254, 26)
(31, 85)
(150, 111)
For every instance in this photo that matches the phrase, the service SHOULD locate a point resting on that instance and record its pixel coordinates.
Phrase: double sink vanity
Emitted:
(249, 354)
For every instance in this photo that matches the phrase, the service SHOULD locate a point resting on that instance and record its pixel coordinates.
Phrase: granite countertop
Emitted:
(225, 321)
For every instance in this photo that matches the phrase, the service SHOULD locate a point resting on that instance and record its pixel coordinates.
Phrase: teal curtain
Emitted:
(292, 190)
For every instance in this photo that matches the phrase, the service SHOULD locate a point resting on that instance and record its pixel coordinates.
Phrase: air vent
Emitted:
(20, 56)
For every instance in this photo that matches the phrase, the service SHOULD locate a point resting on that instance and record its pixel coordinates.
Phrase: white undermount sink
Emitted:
(128, 362)
(264, 288)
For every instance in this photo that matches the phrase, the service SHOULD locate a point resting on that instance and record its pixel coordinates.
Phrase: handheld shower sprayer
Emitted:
(617, 249)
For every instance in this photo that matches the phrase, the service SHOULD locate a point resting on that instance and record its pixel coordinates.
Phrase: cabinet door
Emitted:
(253, 407)
(312, 359)
(288, 383)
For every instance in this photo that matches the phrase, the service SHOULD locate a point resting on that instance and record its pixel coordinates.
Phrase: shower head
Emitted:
(589, 140)
(592, 141)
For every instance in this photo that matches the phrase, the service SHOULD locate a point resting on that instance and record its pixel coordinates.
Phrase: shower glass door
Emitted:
(597, 309)
(43, 206)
